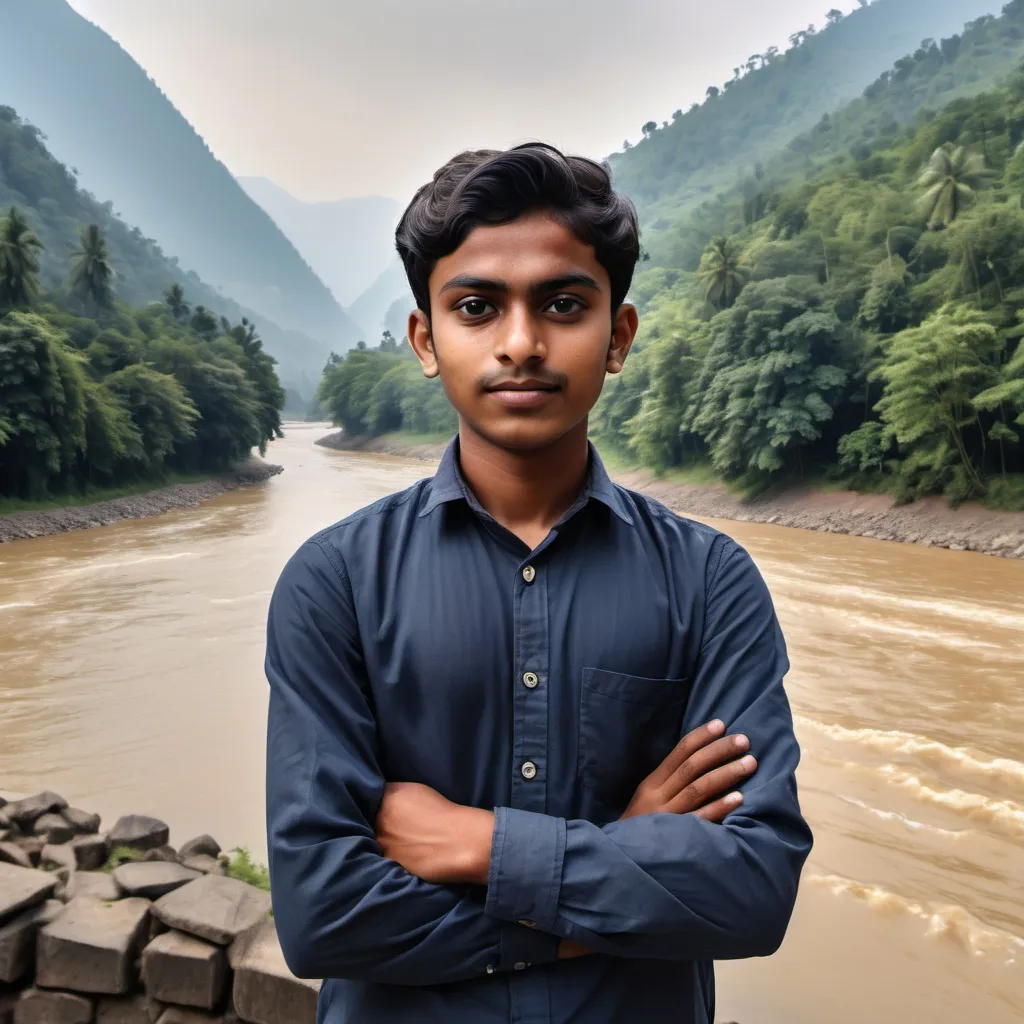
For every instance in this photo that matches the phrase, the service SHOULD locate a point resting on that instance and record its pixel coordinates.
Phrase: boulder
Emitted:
(91, 851)
(179, 1015)
(53, 828)
(214, 908)
(7, 1001)
(81, 821)
(98, 884)
(139, 832)
(205, 864)
(12, 853)
(38, 1007)
(166, 853)
(22, 888)
(182, 969)
(32, 845)
(153, 879)
(18, 940)
(203, 844)
(133, 1009)
(92, 946)
(265, 990)
(58, 856)
(25, 812)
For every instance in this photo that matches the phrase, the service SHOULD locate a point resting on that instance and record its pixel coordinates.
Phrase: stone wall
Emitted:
(163, 937)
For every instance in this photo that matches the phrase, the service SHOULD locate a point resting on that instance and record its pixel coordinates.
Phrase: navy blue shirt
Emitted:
(418, 640)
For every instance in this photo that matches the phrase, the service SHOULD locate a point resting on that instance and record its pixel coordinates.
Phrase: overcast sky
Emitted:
(335, 98)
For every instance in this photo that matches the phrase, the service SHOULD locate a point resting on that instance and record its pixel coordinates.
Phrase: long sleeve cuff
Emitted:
(525, 876)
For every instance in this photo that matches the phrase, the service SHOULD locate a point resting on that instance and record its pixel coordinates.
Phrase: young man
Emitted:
(499, 785)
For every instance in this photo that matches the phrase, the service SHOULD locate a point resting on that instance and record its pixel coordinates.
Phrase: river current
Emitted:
(131, 680)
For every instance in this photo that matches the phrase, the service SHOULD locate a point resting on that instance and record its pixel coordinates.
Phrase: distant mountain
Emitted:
(104, 117)
(773, 98)
(46, 194)
(347, 242)
(385, 305)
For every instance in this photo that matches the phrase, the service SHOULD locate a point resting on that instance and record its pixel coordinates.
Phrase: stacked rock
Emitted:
(166, 937)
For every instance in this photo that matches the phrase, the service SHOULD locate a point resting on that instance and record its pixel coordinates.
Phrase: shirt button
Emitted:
(520, 966)
(529, 769)
(529, 574)
(490, 969)
(530, 679)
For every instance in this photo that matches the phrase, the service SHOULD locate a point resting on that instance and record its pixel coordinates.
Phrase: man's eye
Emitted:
(475, 307)
(565, 304)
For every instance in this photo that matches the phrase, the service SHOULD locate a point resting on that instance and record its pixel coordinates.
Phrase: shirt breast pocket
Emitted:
(628, 725)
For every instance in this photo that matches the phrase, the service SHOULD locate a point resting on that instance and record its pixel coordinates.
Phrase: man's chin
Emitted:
(520, 433)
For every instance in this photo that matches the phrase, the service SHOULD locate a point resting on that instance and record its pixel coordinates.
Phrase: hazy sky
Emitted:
(334, 98)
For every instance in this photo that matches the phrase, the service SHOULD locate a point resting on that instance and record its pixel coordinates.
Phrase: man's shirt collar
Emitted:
(449, 485)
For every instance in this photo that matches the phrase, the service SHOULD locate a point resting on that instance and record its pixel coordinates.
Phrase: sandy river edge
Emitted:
(45, 522)
(929, 521)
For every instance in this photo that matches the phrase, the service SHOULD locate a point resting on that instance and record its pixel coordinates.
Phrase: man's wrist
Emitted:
(472, 834)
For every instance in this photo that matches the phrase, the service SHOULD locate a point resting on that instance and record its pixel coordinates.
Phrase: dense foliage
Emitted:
(371, 391)
(864, 321)
(94, 393)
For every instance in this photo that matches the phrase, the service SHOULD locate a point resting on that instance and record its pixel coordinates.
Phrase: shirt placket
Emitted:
(529, 999)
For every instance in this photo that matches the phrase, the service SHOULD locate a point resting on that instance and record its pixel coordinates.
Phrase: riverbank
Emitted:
(928, 521)
(59, 519)
(119, 926)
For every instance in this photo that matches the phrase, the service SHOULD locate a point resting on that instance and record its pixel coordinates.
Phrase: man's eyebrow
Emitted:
(554, 284)
(480, 284)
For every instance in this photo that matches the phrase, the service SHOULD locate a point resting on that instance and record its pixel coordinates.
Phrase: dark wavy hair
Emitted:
(488, 186)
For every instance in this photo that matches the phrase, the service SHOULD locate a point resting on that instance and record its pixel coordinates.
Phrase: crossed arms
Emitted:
(386, 884)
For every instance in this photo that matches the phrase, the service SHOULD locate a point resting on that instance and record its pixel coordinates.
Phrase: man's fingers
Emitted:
(711, 785)
(716, 812)
(686, 748)
(707, 759)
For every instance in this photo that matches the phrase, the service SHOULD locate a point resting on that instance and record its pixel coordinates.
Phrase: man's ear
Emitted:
(624, 329)
(422, 342)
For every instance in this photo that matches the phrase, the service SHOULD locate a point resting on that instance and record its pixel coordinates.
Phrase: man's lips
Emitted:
(523, 394)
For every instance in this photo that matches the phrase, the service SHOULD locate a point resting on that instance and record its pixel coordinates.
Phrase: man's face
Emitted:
(522, 332)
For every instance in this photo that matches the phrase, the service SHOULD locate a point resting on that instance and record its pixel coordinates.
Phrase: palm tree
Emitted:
(175, 299)
(19, 263)
(951, 178)
(723, 272)
(91, 273)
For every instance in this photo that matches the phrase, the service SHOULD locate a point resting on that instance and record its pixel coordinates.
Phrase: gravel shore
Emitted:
(44, 522)
(929, 521)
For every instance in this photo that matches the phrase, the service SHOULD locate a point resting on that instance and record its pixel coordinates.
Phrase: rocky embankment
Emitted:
(929, 521)
(42, 523)
(121, 928)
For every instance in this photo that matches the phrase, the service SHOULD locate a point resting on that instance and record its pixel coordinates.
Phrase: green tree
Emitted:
(19, 262)
(175, 299)
(43, 388)
(932, 375)
(951, 179)
(92, 276)
(723, 272)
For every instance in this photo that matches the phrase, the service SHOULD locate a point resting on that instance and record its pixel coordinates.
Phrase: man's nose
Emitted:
(520, 339)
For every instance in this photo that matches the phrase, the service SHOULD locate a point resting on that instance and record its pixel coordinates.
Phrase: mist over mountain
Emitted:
(348, 243)
(104, 117)
(385, 305)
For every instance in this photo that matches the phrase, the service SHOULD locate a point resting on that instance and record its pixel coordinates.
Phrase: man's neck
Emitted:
(529, 491)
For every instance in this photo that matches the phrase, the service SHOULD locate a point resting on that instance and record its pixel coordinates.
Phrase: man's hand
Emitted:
(697, 777)
(433, 838)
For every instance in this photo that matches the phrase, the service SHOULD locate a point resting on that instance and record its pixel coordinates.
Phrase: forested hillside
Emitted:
(48, 197)
(94, 393)
(773, 97)
(106, 118)
(853, 311)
